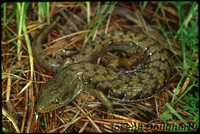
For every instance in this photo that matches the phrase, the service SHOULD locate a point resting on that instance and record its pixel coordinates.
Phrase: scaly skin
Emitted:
(77, 74)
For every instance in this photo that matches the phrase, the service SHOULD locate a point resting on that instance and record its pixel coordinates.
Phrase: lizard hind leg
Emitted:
(134, 59)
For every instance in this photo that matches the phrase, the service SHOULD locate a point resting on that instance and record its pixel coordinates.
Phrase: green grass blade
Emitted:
(175, 113)
(99, 20)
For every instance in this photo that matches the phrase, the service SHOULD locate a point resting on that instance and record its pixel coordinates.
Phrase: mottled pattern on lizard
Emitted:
(77, 74)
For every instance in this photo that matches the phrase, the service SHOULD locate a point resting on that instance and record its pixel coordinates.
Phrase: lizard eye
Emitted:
(56, 101)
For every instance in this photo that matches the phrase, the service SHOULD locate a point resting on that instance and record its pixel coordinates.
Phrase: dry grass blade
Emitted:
(9, 116)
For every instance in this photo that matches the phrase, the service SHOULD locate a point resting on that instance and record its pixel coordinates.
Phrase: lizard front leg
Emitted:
(101, 96)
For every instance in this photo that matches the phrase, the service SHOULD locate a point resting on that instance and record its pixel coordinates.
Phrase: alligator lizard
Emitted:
(77, 73)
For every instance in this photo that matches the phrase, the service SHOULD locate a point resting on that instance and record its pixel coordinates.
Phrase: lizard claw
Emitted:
(113, 63)
(110, 116)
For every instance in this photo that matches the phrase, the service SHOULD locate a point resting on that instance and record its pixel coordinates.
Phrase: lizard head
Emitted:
(57, 92)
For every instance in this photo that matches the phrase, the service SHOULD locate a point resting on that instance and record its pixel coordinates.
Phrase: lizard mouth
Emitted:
(45, 109)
